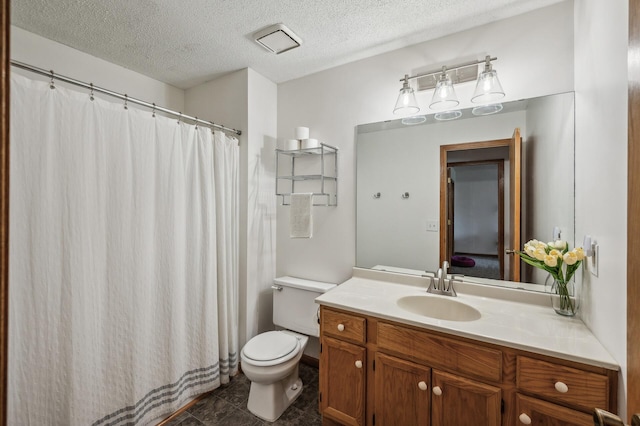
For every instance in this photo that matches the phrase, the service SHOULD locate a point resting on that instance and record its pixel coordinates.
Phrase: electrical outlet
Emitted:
(432, 226)
(594, 259)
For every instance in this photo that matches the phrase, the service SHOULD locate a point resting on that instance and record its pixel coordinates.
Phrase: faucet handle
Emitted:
(454, 278)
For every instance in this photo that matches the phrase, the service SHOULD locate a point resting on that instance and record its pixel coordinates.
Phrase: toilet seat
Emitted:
(270, 348)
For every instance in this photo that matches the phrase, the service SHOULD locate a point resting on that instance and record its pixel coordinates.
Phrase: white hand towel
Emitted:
(300, 219)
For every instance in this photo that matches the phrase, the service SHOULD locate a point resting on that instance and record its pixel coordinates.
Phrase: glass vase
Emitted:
(564, 298)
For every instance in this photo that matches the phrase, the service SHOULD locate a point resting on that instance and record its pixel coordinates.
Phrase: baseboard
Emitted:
(309, 360)
(191, 403)
(184, 408)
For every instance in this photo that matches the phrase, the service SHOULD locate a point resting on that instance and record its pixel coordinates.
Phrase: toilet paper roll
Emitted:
(291, 144)
(309, 143)
(302, 133)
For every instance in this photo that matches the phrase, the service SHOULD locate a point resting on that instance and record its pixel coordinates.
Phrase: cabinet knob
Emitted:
(561, 387)
(422, 385)
(358, 364)
(340, 327)
(436, 390)
(524, 419)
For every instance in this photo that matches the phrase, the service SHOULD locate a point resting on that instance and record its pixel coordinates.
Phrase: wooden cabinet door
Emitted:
(532, 411)
(342, 382)
(459, 401)
(402, 392)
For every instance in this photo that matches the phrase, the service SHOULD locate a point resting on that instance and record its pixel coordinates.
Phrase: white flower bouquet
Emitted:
(560, 262)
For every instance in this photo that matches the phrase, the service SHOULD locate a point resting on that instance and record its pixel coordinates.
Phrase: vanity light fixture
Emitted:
(406, 103)
(444, 97)
(488, 90)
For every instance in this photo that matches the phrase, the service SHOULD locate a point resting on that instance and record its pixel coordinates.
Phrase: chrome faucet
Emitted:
(440, 284)
(442, 274)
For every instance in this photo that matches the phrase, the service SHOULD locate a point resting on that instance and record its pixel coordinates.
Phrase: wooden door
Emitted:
(459, 401)
(450, 216)
(343, 381)
(402, 392)
(532, 411)
(515, 163)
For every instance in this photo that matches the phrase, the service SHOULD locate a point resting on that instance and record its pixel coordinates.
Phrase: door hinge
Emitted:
(502, 406)
(374, 365)
(320, 347)
(320, 396)
(448, 180)
(374, 419)
(449, 222)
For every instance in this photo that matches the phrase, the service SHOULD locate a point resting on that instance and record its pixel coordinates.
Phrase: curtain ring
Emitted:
(179, 117)
(51, 84)
(126, 99)
(196, 123)
(91, 93)
(153, 111)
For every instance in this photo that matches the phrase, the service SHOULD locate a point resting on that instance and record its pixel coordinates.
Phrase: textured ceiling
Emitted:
(185, 43)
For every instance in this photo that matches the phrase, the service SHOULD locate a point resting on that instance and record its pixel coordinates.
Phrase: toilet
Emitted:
(270, 360)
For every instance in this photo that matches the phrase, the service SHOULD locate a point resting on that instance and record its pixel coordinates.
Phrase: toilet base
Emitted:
(269, 401)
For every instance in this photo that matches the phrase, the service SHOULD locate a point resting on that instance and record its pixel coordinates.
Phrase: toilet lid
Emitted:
(270, 345)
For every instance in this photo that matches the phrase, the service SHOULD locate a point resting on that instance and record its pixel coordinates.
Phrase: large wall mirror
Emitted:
(454, 190)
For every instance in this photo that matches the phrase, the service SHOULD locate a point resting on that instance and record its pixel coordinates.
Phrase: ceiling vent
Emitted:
(277, 39)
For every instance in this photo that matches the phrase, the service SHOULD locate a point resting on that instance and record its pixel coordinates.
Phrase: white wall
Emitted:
(245, 100)
(334, 101)
(47, 54)
(261, 202)
(601, 38)
(550, 135)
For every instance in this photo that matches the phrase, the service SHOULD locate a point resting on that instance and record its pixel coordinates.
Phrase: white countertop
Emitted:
(527, 326)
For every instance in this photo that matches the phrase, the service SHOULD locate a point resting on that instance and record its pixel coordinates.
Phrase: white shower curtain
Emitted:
(123, 260)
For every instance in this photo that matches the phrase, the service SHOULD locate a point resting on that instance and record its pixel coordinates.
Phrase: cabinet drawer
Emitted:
(344, 326)
(466, 359)
(538, 412)
(559, 383)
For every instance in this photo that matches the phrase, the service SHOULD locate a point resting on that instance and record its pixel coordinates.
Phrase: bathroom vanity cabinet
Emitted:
(377, 371)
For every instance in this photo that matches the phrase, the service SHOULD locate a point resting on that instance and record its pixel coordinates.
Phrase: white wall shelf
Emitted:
(310, 170)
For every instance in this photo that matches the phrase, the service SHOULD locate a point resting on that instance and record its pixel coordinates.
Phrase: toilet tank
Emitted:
(294, 306)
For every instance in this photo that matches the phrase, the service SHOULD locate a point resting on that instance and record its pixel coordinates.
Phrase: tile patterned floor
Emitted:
(227, 405)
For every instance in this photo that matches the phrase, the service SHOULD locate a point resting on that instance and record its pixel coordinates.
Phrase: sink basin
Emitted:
(439, 308)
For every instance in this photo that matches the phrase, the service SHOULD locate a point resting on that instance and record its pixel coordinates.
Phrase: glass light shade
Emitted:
(487, 109)
(444, 97)
(406, 103)
(448, 115)
(488, 88)
(414, 119)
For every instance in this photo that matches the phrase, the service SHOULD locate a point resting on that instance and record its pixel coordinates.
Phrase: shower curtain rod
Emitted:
(124, 97)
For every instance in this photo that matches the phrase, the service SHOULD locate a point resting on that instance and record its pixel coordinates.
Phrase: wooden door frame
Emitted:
(499, 163)
(4, 206)
(444, 149)
(633, 213)
(450, 197)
